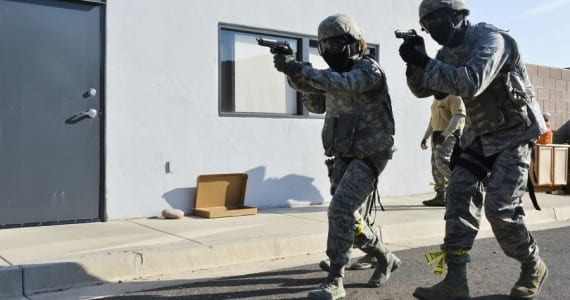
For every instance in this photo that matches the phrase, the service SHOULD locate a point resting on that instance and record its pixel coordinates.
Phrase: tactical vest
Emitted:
(492, 110)
(507, 102)
(360, 128)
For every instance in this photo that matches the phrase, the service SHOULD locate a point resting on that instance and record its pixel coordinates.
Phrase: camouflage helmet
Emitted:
(338, 25)
(429, 6)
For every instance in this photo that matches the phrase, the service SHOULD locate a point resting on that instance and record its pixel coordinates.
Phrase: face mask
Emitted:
(442, 33)
(339, 62)
(442, 27)
(336, 51)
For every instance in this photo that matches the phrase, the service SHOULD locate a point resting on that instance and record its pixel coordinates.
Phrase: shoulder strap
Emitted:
(515, 54)
(530, 189)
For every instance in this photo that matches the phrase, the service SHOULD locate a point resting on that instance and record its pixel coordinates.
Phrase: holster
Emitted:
(336, 168)
(435, 134)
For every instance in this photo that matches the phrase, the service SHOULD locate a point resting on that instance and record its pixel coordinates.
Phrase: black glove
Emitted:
(409, 71)
(287, 64)
(413, 51)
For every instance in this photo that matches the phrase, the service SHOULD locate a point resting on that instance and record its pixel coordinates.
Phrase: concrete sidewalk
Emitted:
(44, 259)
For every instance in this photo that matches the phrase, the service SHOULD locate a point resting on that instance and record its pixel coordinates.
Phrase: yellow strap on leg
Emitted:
(360, 227)
(437, 259)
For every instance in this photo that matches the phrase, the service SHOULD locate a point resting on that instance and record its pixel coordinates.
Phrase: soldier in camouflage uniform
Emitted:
(358, 136)
(482, 65)
(444, 128)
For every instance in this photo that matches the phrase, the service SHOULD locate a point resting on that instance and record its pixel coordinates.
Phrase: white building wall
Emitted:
(162, 105)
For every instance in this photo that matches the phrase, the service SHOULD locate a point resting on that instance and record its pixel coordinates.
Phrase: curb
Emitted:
(107, 267)
(104, 267)
(156, 263)
(11, 282)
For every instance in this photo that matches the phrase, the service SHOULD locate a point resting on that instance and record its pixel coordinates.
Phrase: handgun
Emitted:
(275, 47)
(405, 34)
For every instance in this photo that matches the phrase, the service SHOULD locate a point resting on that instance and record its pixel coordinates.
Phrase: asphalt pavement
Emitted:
(491, 275)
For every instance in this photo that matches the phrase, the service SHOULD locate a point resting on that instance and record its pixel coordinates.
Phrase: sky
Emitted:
(541, 27)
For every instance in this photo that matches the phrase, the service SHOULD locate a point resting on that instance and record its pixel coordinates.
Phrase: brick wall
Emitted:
(552, 87)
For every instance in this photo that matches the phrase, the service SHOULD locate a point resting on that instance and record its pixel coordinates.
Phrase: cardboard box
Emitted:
(222, 195)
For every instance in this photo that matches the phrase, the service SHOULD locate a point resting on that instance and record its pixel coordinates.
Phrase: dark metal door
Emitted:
(50, 105)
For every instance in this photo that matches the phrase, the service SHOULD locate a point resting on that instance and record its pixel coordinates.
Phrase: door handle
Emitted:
(90, 113)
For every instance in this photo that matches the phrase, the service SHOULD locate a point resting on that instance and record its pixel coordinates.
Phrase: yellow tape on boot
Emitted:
(437, 259)
(436, 185)
(358, 231)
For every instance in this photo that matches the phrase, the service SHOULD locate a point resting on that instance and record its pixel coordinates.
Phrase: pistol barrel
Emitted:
(404, 34)
(265, 42)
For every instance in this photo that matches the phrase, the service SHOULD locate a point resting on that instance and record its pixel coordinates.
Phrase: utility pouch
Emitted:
(344, 133)
(518, 93)
(328, 135)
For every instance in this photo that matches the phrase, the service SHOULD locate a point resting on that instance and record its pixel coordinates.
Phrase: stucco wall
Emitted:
(162, 105)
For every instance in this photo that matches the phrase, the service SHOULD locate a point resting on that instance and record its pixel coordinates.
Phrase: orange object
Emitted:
(546, 138)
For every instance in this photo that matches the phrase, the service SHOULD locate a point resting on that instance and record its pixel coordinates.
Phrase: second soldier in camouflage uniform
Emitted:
(358, 136)
(482, 65)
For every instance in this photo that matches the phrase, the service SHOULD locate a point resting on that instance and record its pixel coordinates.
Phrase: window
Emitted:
(248, 82)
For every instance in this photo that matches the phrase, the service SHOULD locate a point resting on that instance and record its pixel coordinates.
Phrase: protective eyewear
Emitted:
(334, 45)
(436, 18)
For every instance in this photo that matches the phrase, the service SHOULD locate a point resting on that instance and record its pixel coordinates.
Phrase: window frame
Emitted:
(89, 1)
(304, 41)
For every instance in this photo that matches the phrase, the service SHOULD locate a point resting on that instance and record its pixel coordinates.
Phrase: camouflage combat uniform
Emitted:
(358, 133)
(486, 71)
(442, 112)
(440, 157)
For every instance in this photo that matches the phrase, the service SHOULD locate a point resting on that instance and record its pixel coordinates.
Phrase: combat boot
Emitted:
(533, 274)
(333, 287)
(453, 287)
(387, 263)
(366, 262)
(439, 200)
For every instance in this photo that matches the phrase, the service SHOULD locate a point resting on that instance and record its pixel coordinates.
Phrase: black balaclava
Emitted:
(339, 62)
(450, 29)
